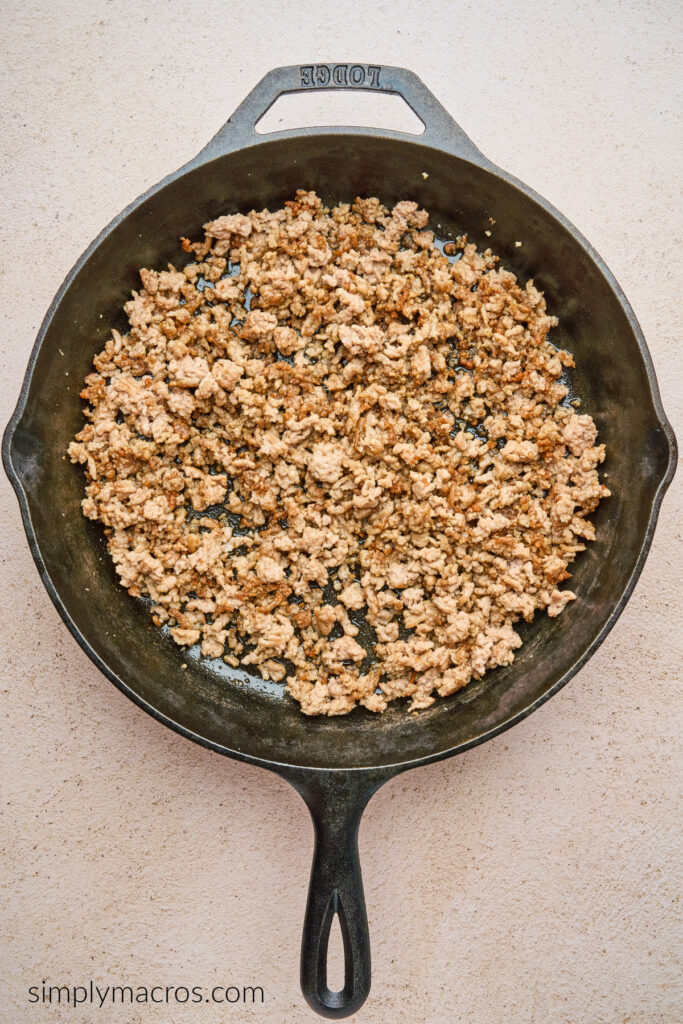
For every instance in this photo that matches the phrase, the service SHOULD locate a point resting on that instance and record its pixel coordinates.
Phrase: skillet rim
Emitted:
(209, 155)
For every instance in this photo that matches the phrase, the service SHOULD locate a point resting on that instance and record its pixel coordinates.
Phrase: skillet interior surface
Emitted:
(234, 711)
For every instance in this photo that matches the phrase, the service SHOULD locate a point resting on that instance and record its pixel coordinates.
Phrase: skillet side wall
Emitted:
(231, 709)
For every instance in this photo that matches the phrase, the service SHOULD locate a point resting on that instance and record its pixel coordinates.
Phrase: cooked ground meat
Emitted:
(322, 417)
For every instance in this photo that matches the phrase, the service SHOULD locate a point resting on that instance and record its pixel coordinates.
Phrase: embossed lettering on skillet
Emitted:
(323, 76)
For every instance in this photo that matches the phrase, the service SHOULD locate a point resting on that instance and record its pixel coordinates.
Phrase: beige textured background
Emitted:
(530, 881)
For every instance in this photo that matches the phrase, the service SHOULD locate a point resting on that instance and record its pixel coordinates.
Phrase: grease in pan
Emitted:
(381, 438)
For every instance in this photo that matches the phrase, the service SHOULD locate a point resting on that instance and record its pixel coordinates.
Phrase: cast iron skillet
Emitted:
(337, 764)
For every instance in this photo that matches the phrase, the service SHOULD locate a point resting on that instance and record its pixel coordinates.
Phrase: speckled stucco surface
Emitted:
(530, 881)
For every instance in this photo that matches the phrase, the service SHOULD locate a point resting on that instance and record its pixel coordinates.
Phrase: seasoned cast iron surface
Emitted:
(238, 711)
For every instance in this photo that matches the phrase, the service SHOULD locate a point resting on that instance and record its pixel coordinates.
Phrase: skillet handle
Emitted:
(440, 128)
(336, 801)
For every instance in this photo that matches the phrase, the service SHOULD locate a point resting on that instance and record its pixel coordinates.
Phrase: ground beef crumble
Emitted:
(323, 419)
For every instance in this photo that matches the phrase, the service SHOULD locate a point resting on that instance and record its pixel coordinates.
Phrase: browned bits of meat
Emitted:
(381, 432)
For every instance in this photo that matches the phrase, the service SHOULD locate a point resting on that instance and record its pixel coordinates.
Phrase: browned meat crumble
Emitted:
(323, 418)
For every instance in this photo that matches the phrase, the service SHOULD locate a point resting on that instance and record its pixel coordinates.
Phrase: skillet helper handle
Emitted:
(440, 128)
(336, 801)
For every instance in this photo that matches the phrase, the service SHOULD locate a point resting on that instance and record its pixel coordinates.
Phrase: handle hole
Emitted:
(335, 969)
(348, 108)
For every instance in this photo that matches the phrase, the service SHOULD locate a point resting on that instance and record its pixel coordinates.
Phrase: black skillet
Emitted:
(337, 764)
